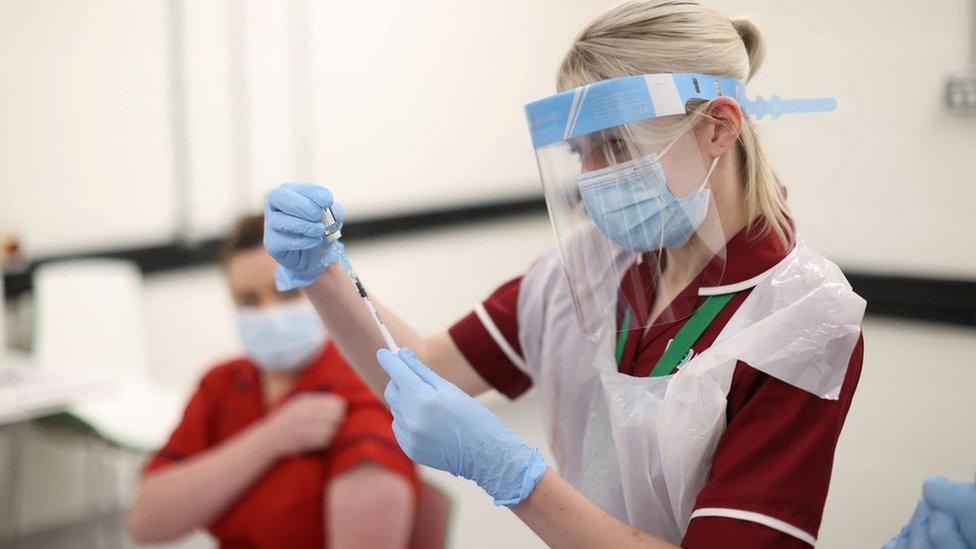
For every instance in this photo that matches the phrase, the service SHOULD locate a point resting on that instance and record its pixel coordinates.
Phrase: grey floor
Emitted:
(103, 533)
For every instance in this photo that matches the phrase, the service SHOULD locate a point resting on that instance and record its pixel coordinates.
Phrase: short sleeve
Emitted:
(366, 436)
(488, 337)
(731, 533)
(191, 436)
(773, 463)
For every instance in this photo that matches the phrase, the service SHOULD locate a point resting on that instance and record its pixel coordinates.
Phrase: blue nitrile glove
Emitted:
(294, 233)
(919, 518)
(945, 517)
(442, 427)
(956, 499)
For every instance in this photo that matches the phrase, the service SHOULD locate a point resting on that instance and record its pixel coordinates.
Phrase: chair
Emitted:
(431, 522)
(89, 322)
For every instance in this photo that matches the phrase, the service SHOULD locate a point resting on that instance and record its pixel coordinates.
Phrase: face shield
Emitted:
(628, 192)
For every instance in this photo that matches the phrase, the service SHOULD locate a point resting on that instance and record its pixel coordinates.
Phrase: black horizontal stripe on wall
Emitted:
(934, 299)
(917, 297)
(178, 255)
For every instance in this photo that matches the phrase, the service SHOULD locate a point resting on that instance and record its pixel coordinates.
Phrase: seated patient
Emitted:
(285, 447)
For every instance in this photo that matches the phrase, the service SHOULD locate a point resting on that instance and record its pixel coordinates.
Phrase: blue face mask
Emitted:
(631, 203)
(282, 337)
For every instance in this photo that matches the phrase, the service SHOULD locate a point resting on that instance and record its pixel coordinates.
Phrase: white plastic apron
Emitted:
(641, 448)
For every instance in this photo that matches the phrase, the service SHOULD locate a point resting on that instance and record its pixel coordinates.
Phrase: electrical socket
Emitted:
(960, 94)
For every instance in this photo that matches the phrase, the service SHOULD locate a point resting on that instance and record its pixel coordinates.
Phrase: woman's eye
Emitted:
(248, 300)
(617, 145)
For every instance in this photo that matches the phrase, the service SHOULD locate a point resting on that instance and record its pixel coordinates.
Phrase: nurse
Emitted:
(285, 447)
(696, 361)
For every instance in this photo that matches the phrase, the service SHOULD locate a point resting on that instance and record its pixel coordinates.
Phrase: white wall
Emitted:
(385, 101)
(420, 103)
(883, 183)
(401, 106)
(85, 157)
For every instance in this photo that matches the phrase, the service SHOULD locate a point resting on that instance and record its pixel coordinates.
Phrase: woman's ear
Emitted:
(721, 130)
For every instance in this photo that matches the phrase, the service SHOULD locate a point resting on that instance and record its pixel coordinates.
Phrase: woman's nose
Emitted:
(593, 162)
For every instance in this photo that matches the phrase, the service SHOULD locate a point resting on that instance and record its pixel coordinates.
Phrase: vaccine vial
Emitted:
(332, 229)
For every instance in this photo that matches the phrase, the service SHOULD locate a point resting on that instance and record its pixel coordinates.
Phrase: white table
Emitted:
(28, 393)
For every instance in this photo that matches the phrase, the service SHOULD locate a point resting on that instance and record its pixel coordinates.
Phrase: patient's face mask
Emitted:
(281, 337)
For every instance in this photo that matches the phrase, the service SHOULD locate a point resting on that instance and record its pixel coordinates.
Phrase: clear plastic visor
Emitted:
(636, 221)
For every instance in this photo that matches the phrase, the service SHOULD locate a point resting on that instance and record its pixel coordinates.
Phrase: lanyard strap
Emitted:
(622, 337)
(689, 334)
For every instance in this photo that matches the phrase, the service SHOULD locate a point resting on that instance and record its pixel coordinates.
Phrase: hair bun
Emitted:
(753, 41)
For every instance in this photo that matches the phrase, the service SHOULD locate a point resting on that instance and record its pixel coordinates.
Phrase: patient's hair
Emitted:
(247, 233)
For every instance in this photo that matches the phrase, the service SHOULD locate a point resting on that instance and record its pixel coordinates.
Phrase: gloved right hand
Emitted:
(439, 425)
(294, 234)
(955, 499)
(945, 517)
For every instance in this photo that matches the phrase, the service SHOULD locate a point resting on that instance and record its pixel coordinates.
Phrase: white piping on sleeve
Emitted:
(758, 518)
(496, 334)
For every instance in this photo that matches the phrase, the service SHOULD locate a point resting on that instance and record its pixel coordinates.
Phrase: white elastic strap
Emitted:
(667, 148)
(709, 174)
(496, 334)
(574, 111)
(758, 518)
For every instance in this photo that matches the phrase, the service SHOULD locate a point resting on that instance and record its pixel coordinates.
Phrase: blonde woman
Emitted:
(695, 361)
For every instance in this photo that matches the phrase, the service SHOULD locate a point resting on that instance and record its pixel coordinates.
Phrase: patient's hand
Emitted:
(306, 422)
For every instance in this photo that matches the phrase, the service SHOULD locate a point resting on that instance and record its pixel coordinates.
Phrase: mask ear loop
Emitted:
(711, 168)
(709, 174)
(665, 150)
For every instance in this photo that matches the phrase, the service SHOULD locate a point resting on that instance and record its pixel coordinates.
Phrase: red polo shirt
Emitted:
(284, 507)
(771, 469)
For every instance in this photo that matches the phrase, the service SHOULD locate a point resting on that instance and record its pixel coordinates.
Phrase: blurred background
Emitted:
(142, 130)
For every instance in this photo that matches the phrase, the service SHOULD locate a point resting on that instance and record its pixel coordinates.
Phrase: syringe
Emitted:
(332, 233)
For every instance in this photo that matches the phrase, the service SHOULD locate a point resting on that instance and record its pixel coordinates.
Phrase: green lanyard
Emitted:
(687, 335)
(622, 338)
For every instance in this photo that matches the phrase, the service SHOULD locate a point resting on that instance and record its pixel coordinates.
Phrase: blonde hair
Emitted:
(676, 36)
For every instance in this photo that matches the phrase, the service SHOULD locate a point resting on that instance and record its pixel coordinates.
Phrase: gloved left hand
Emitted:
(945, 518)
(442, 427)
(294, 233)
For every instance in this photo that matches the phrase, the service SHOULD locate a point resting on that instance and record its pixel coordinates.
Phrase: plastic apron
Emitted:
(642, 448)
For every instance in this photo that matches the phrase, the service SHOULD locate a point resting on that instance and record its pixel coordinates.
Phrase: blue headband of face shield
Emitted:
(617, 101)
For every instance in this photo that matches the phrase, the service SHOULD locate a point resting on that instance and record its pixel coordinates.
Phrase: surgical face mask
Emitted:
(631, 204)
(283, 337)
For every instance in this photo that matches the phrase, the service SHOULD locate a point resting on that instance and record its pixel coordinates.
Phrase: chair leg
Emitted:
(105, 464)
(99, 487)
